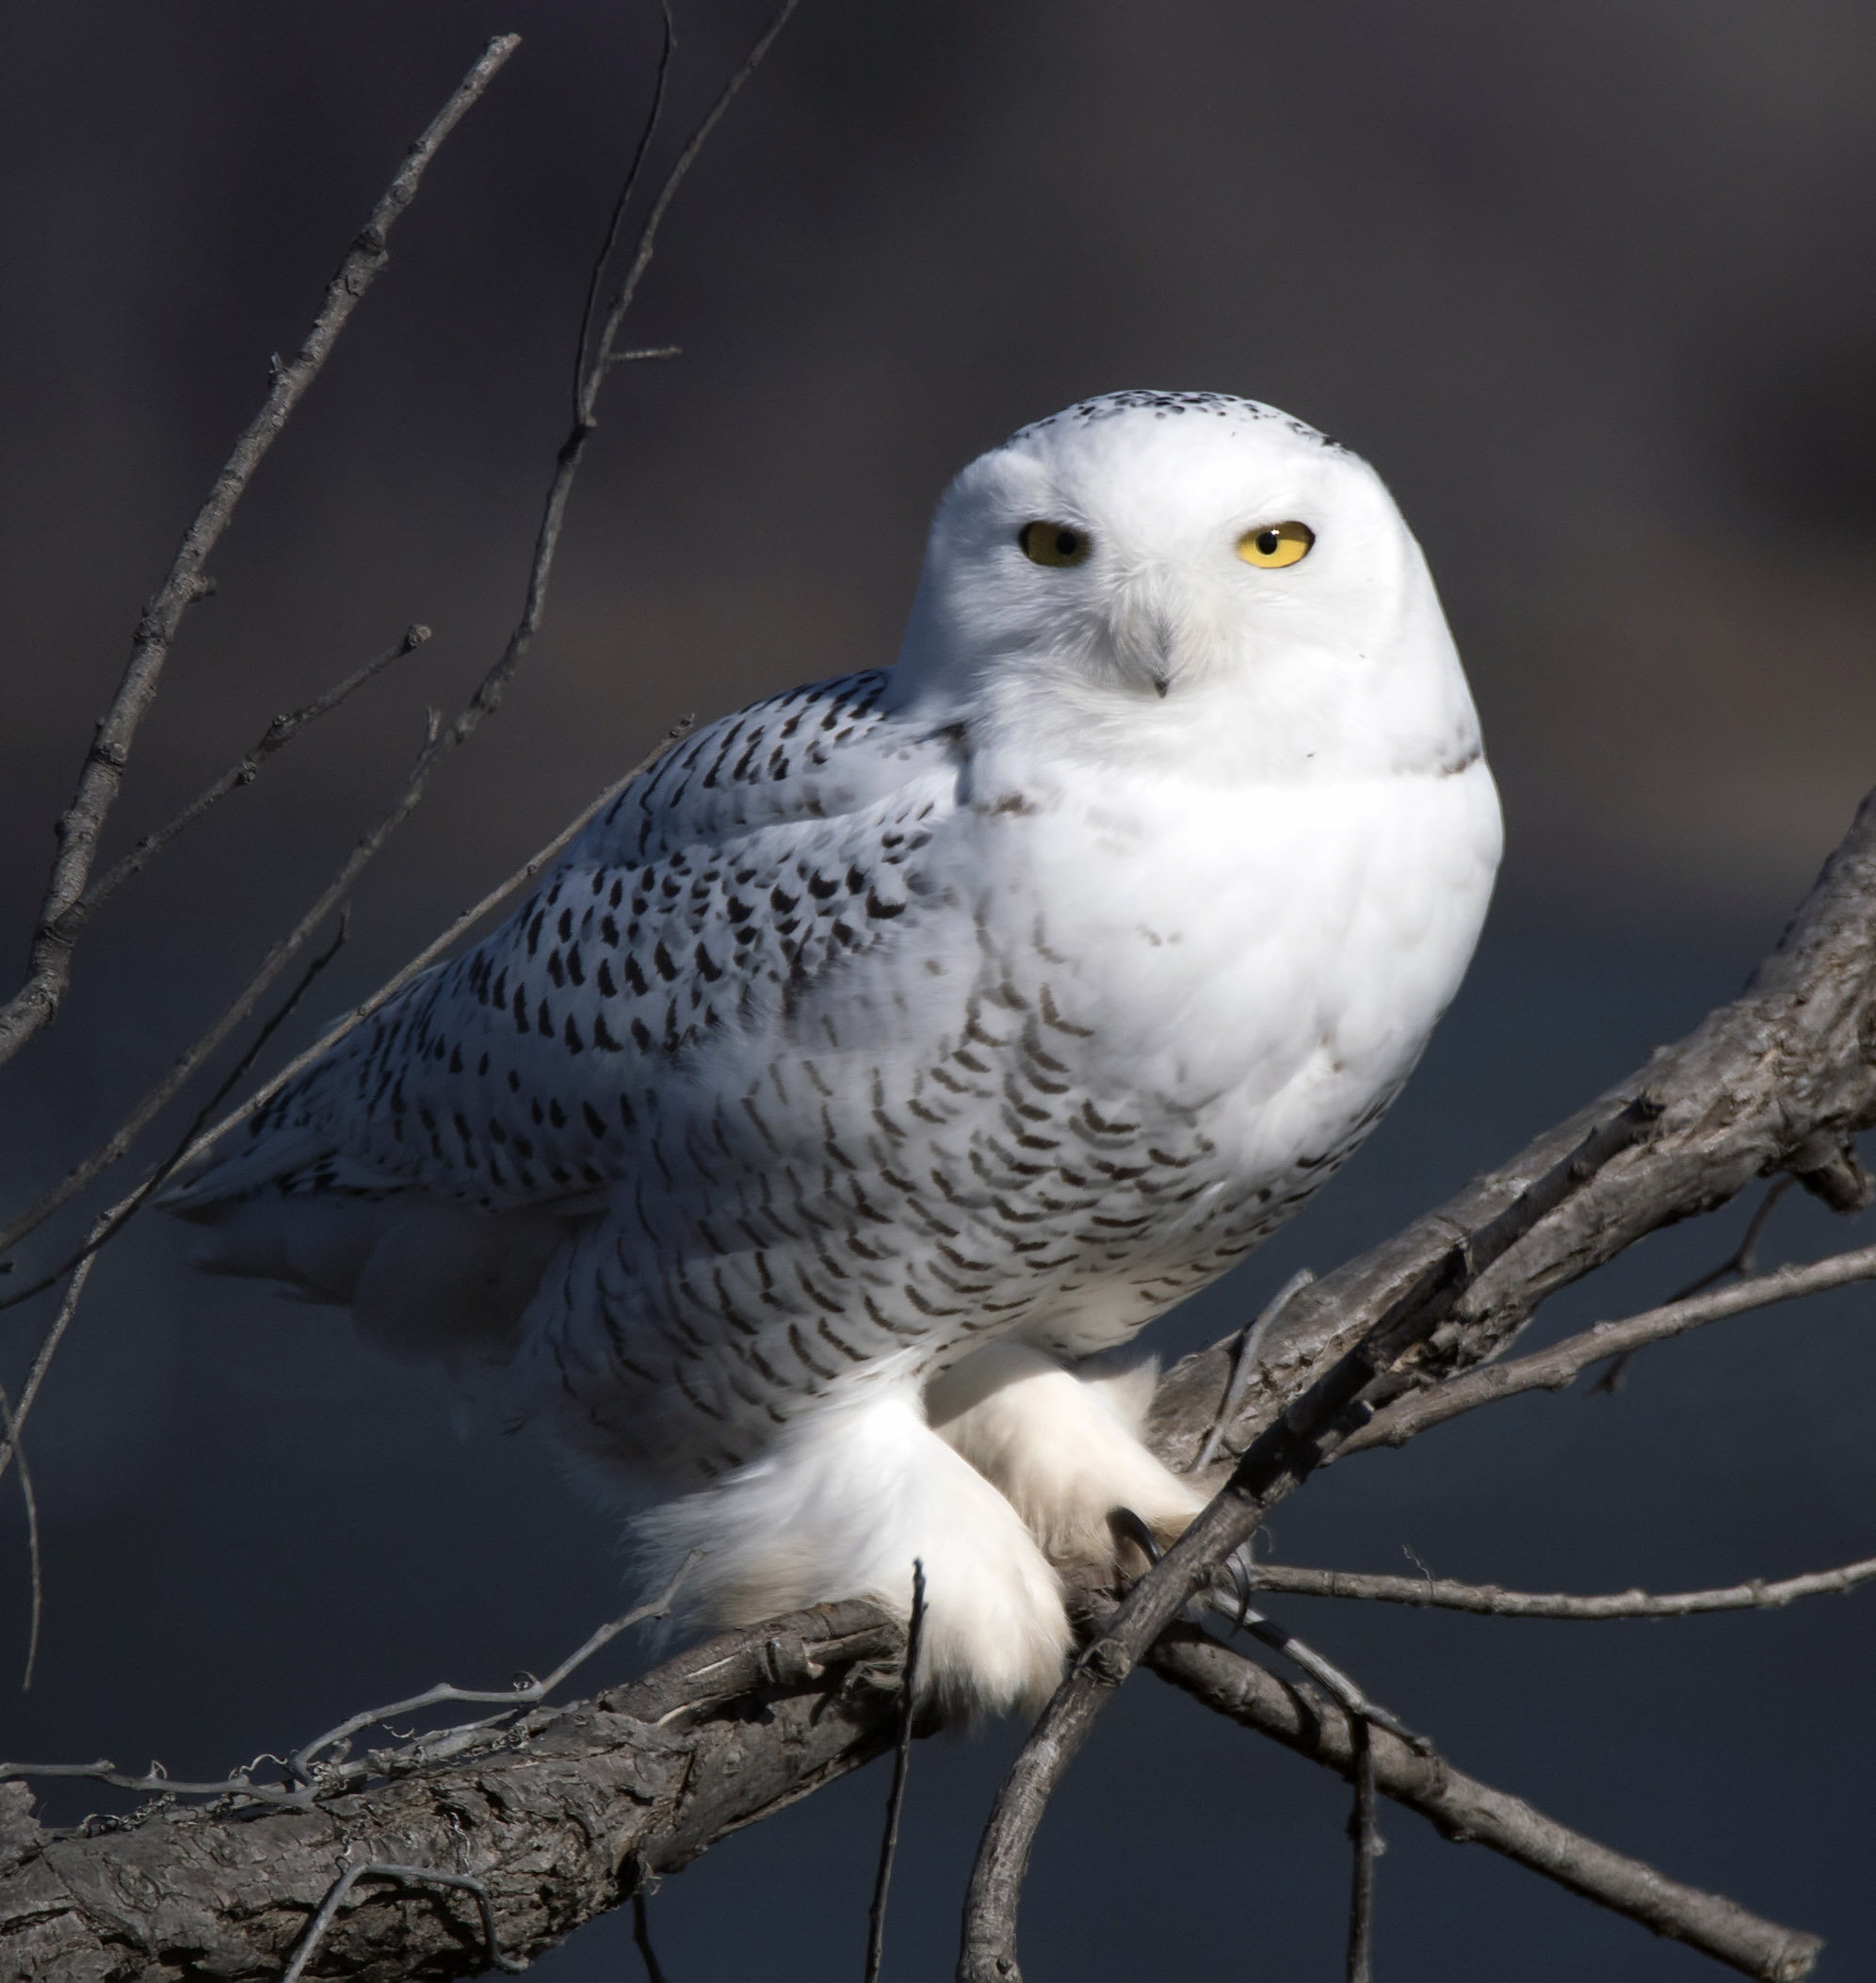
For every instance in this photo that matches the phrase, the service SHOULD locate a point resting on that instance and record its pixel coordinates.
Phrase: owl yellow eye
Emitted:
(1054, 544)
(1276, 545)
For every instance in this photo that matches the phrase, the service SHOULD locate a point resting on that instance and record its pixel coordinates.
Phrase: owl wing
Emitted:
(775, 845)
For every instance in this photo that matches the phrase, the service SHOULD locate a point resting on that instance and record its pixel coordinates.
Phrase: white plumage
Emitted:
(905, 1040)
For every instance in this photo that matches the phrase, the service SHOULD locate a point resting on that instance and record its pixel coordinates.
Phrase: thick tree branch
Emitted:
(49, 966)
(560, 1822)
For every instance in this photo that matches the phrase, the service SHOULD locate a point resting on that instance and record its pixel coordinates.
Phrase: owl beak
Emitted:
(1145, 634)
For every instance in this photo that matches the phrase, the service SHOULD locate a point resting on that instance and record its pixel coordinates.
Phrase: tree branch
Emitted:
(1490, 1600)
(1466, 1811)
(1311, 1427)
(275, 738)
(1551, 1369)
(49, 965)
(559, 1823)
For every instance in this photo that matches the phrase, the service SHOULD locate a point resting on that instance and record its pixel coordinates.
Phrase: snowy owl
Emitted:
(808, 1150)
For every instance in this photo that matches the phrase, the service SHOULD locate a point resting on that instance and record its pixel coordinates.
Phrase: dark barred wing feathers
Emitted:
(748, 864)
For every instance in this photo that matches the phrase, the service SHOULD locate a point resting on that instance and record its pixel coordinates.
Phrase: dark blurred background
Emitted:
(1595, 286)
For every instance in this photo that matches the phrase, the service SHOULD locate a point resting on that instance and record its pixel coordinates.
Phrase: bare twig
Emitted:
(1464, 1808)
(1743, 1259)
(1348, 1695)
(304, 1762)
(404, 1876)
(190, 1062)
(312, 1779)
(646, 133)
(61, 1321)
(641, 1935)
(111, 1222)
(1490, 1601)
(1551, 1369)
(586, 396)
(435, 948)
(49, 966)
(31, 1504)
(876, 1914)
(488, 692)
(276, 736)
(486, 699)
(1365, 1834)
(1277, 1462)
(1246, 1361)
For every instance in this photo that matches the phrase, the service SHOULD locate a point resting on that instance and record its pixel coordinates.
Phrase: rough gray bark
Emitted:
(559, 1824)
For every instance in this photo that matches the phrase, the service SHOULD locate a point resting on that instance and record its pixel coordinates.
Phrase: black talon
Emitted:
(1128, 1527)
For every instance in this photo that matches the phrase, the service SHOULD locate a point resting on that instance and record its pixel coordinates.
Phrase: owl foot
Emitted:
(841, 1505)
(1063, 1447)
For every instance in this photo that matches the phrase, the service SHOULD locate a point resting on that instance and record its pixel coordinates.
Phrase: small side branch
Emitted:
(1551, 1369)
(876, 1914)
(1464, 1810)
(1365, 1834)
(274, 739)
(1489, 1600)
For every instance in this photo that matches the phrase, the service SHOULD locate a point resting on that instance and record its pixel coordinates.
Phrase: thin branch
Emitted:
(488, 692)
(647, 132)
(48, 1348)
(306, 1767)
(435, 948)
(876, 1914)
(641, 1935)
(310, 1780)
(1490, 1600)
(488, 696)
(18, 1452)
(49, 965)
(276, 736)
(1365, 1834)
(1245, 1362)
(1551, 1369)
(1743, 1259)
(1313, 1427)
(111, 1222)
(587, 396)
(1464, 1810)
(1234, 1608)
